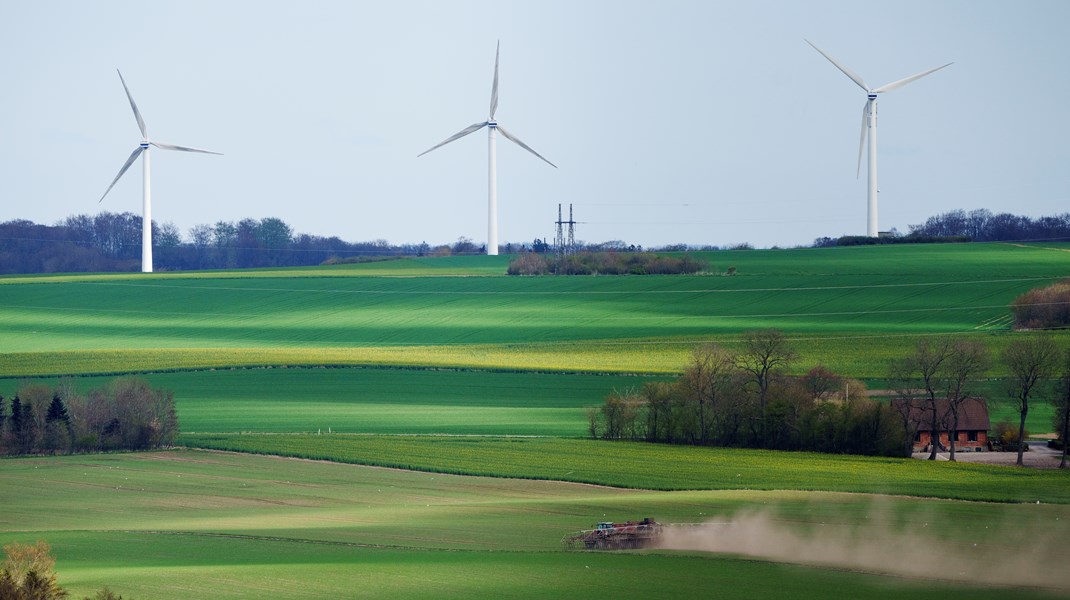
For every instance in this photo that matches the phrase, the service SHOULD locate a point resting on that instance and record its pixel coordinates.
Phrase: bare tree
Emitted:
(1062, 406)
(820, 382)
(967, 360)
(1030, 360)
(765, 352)
(707, 380)
(925, 364)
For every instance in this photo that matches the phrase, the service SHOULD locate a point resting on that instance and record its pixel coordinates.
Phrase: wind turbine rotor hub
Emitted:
(873, 96)
(492, 124)
(145, 145)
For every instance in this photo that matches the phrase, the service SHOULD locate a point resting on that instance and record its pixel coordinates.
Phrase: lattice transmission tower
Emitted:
(565, 244)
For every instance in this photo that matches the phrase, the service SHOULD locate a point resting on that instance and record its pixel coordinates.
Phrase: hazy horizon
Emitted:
(680, 122)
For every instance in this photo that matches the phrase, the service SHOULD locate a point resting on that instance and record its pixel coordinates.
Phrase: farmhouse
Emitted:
(972, 431)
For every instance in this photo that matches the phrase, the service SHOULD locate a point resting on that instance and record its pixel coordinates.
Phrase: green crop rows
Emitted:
(657, 466)
(494, 373)
(197, 524)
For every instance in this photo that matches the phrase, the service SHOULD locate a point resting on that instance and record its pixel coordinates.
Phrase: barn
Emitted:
(973, 425)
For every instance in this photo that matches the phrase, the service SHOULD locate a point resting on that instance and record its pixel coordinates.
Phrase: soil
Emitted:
(1039, 456)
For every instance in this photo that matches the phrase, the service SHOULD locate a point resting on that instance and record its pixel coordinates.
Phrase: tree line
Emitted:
(980, 225)
(743, 397)
(126, 414)
(112, 242)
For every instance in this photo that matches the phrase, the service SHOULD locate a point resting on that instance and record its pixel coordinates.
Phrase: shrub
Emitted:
(605, 263)
(1043, 308)
(528, 264)
(1007, 434)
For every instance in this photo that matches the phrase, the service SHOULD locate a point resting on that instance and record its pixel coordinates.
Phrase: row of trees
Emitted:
(744, 398)
(982, 225)
(127, 414)
(979, 225)
(112, 242)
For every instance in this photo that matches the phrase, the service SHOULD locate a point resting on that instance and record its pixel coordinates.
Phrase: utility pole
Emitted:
(559, 239)
(563, 246)
(571, 231)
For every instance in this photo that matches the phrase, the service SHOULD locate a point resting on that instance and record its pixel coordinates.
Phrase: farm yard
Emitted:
(476, 384)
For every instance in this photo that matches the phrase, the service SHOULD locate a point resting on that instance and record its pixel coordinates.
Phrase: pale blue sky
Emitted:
(696, 122)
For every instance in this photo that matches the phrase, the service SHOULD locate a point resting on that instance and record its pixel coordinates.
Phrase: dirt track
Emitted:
(1039, 456)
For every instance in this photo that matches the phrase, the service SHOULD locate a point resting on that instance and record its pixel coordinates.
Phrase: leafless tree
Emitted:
(1030, 361)
(765, 352)
(1062, 405)
(967, 360)
(707, 381)
(924, 364)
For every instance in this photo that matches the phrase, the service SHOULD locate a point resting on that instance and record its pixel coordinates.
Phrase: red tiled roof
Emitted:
(973, 413)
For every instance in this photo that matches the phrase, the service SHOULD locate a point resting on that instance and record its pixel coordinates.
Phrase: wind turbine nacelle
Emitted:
(144, 145)
(873, 96)
(492, 124)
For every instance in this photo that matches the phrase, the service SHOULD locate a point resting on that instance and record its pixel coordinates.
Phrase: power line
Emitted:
(231, 275)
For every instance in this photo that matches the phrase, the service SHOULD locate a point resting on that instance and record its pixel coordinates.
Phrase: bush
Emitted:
(1043, 308)
(1007, 435)
(529, 264)
(605, 263)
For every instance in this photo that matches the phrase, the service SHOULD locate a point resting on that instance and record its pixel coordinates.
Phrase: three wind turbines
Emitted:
(146, 186)
(869, 129)
(869, 125)
(492, 181)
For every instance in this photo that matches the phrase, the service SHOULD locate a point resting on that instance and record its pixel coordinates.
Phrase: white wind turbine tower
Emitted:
(146, 190)
(869, 124)
(492, 126)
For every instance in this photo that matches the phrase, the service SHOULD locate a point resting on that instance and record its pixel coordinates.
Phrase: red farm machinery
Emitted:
(616, 536)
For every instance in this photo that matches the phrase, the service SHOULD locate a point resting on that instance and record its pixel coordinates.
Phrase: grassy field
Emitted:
(198, 524)
(464, 350)
(385, 401)
(659, 466)
(412, 400)
(845, 307)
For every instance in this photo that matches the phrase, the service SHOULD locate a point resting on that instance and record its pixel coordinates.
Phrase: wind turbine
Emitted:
(869, 124)
(492, 127)
(146, 190)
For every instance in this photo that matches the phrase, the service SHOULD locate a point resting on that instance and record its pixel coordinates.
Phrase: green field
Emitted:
(845, 307)
(387, 401)
(410, 400)
(492, 374)
(659, 466)
(197, 524)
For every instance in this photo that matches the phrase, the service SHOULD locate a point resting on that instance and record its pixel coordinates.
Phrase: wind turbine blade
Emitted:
(182, 148)
(513, 139)
(133, 156)
(137, 113)
(460, 134)
(846, 71)
(494, 88)
(862, 141)
(898, 84)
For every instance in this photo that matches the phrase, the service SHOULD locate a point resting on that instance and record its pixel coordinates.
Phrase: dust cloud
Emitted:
(1011, 554)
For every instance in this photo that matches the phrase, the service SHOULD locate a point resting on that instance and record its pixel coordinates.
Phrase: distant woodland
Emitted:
(979, 225)
(126, 414)
(109, 242)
